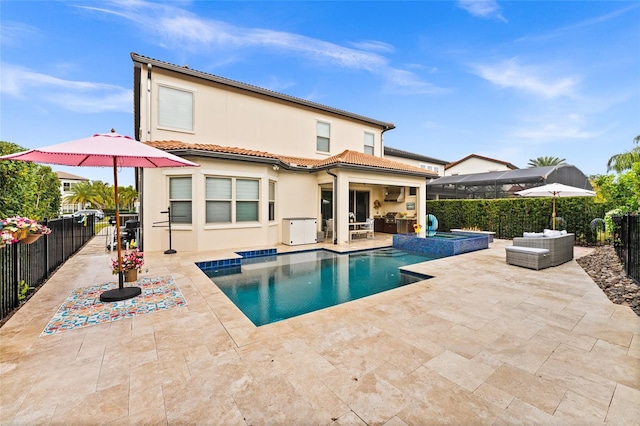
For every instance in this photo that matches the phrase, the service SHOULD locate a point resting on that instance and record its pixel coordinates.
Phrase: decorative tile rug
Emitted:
(83, 307)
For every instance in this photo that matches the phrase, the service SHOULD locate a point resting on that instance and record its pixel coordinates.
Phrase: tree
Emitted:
(96, 193)
(127, 196)
(81, 193)
(27, 189)
(621, 191)
(546, 161)
(625, 160)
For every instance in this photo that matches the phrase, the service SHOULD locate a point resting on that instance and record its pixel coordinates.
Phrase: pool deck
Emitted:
(482, 342)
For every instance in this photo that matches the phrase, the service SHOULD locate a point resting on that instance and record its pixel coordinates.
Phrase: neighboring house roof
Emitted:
(480, 157)
(143, 61)
(346, 158)
(565, 174)
(410, 155)
(69, 176)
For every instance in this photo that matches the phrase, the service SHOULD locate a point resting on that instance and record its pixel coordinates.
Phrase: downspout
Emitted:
(386, 129)
(335, 201)
(140, 171)
(149, 66)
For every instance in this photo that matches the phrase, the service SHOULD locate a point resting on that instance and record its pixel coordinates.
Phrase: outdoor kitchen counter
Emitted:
(405, 224)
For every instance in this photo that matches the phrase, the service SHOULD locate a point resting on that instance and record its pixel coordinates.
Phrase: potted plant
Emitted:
(21, 229)
(132, 262)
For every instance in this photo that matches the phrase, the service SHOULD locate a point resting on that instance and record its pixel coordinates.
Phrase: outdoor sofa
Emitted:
(541, 250)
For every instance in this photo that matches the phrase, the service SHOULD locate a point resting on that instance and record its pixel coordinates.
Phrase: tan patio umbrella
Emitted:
(555, 190)
(105, 150)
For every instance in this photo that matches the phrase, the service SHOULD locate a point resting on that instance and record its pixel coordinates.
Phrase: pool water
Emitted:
(272, 288)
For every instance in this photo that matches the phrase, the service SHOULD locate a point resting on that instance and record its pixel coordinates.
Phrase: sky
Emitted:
(510, 80)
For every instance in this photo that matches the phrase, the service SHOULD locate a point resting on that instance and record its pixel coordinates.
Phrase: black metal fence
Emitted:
(31, 264)
(627, 244)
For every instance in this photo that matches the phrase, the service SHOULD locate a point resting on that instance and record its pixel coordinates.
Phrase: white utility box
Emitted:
(299, 230)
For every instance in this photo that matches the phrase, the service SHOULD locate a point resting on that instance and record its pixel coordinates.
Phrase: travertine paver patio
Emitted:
(480, 343)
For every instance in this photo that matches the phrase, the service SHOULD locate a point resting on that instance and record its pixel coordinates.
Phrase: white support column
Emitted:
(342, 209)
(421, 206)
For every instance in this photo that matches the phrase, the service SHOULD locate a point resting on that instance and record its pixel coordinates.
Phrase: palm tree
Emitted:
(624, 161)
(81, 193)
(102, 195)
(127, 196)
(546, 161)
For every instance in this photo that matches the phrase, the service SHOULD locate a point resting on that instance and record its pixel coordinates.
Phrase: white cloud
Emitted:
(556, 129)
(406, 82)
(12, 33)
(182, 29)
(581, 25)
(510, 74)
(487, 9)
(373, 45)
(77, 96)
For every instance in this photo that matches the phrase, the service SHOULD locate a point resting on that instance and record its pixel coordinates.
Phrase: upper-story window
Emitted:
(180, 199)
(369, 143)
(323, 136)
(175, 108)
(431, 168)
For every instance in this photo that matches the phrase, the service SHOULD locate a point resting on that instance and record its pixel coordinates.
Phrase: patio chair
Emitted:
(329, 229)
(369, 227)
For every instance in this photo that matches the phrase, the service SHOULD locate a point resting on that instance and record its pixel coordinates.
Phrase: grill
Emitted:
(390, 217)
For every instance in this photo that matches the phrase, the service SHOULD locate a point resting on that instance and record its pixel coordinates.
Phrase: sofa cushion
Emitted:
(533, 235)
(550, 233)
(528, 250)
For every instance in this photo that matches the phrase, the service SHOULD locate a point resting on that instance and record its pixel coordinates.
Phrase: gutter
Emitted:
(335, 201)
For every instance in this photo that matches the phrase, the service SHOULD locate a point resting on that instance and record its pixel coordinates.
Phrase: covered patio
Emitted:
(480, 343)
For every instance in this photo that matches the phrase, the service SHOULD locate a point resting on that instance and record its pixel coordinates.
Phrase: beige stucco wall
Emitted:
(475, 165)
(229, 117)
(239, 119)
(297, 195)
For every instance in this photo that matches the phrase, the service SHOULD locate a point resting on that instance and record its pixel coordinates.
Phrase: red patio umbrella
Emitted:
(105, 150)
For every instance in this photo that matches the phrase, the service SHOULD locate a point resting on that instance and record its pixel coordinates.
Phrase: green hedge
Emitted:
(511, 217)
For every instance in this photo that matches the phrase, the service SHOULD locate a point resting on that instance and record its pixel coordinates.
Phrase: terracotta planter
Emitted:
(131, 275)
(30, 239)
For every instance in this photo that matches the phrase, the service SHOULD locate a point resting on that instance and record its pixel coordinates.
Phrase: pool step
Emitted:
(386, 252)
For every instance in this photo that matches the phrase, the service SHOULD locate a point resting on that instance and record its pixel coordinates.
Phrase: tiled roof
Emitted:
(69, 176)
(509, 165)
(345, 158)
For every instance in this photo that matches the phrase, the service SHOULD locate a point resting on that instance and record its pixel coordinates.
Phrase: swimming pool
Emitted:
(276, 287)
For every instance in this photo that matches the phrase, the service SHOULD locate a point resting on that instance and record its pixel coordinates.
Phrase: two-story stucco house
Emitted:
(424, 162)
(474, 163)
(67, 181)
(264, 156)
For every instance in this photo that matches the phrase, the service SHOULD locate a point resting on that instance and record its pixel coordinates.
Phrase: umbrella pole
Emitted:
(554, 213)
(122, 292)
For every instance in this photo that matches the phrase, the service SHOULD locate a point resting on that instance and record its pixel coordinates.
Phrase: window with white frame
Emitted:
(369, 139)
(218, 198)
(323, 137)
(175, 108)
(272, 200)
(180, 199)
(247, 200)
(230, 200)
